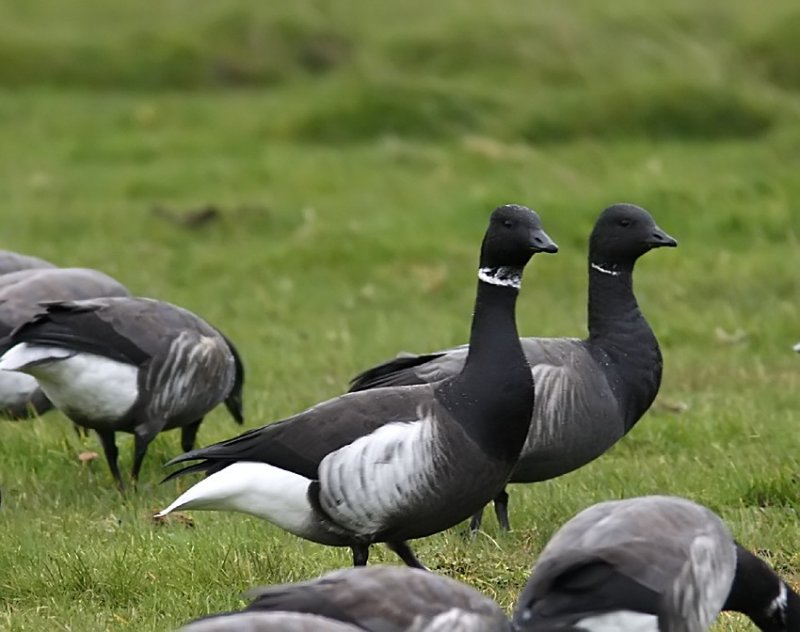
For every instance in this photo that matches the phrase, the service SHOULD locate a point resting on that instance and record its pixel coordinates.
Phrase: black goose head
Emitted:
(623, 233)
(760, 594)
(514, 235)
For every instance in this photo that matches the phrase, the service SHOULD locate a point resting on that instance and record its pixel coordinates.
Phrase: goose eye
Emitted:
(508, 223)
(624, 222)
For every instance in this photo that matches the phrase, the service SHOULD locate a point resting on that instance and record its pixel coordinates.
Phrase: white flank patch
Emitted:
(600, 268)
(797, 347)
(705, 582)
(16, 389)
(258, 489)
(84, 384)
(183, 377)
(780, 602)
(372, 479)
(502, 276)
(554, 405)
(622, 620)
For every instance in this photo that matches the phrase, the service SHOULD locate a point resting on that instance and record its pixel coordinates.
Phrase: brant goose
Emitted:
(13, 261)
(589, 393)
(651, 563)
(394, 464)
(128, 364)
(381, 598)
(20, 295)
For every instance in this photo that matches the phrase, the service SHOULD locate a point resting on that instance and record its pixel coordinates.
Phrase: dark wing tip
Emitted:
(395, 372)
(189, 469)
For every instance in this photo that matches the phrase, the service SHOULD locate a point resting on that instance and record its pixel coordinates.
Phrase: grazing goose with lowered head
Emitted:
(132, 365)
(589, 393)
(652, 563)
(379, 599)
(13, 261)
(394, 464)
(20, 296)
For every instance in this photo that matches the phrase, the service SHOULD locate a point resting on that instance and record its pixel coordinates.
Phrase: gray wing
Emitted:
(658, 541)
(385, 598)
(576, 417)
(268, 622)
(14, 261)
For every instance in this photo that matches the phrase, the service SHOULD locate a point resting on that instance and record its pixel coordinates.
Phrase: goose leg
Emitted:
(81, 431)
(360, 554)
(501, 510)
(111, 452)
(189, 434)
(475, 522)
(405, 553)
(141, 441)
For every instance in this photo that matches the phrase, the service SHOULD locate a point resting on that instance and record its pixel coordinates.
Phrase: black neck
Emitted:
(622, 338)
(760, 594)
(496, 377)
(612, 304)
(493, 335)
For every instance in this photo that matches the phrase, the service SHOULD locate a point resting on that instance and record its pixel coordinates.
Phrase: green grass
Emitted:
(354, 151)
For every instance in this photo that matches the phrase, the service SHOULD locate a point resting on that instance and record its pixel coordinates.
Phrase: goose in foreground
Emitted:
(589, 393)
(126, 364)
(13, 261)
(20, 296)
(379, 599)
(652, 563)
(394, 464)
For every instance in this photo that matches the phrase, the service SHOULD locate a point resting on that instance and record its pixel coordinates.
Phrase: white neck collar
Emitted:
(503, 276)
(599, 268)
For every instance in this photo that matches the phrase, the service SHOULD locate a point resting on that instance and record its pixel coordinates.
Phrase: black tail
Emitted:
(396, 372)
(235, 400)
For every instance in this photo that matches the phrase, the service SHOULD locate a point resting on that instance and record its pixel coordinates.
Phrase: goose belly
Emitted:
(89, 388)
(16, 390)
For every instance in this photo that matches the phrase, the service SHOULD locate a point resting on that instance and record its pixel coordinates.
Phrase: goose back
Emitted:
(385, 598)
(13, 261)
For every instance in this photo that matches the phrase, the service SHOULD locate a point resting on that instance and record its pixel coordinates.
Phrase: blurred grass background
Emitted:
(345, 157)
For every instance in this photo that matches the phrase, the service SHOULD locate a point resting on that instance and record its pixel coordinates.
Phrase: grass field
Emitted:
(353, 152)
